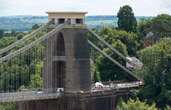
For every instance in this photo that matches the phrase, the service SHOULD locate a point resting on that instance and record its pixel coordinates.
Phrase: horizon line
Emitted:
(86, 15)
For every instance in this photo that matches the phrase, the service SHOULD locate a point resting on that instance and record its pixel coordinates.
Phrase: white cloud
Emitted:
(94, 7)
(2, 6)
(166, 5)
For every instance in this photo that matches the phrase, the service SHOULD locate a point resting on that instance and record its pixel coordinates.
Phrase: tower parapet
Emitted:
(67, 17)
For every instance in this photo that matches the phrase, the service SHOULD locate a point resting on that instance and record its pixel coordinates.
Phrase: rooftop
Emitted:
(65, 12)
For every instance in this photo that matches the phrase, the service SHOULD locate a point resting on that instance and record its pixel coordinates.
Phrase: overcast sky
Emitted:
(93, 7)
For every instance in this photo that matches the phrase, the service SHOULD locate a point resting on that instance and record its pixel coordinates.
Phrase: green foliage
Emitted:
(13, 76)
(5, 41)
(13, 33)
(1, 33)
(126, 19)
(36, 79)
(130, 39)
(7, 106)
(35, 26)
(125, 42)
(168, 108)
(156, 73)
(97, 76)
(22, 71)
(107, 69)
(160, 26)
(142, 28)
(19, 35)
(135, 105)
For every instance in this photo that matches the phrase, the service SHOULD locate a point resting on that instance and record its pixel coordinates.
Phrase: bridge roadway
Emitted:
(40, 95)
(27, 96)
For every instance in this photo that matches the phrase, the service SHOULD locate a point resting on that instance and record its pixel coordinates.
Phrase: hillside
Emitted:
(24, 23)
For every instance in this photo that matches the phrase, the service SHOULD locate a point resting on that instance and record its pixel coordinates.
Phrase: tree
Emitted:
(130, 39)
(5, 41)
(13, 33)
(36, 79)
(107, 69)
(8, 106)
(126, 19)
(35, 26)
(168, 108)
(156, 73)
(1, 33)
(160, 26)
(20, 35)
(96, 76)
(135, 105)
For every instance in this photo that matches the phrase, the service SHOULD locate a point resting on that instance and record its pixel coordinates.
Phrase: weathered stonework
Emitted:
(75, 58)
(67, 66)
(75, 102)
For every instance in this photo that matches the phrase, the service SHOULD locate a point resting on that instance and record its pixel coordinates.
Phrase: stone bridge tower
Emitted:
(67, 67)
(67, 61)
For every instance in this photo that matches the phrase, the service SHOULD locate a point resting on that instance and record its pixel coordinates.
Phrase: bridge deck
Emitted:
(27, 96)
(40, 95)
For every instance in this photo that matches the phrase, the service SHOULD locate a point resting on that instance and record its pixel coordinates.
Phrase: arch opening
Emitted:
(59, 74)
(59, 46)
(59, 66)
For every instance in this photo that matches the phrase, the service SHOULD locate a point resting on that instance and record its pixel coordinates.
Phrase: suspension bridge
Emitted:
(58, 57)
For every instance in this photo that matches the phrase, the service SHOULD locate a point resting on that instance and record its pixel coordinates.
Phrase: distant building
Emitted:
(134, 63)
(67, 17)
(150, 39)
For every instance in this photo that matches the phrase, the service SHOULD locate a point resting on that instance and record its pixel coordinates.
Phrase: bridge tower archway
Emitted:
(67, 63)
(59, 66)
(59, 45)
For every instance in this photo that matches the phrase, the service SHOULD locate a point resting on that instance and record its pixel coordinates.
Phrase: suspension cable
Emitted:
(4, 50)
(32, 44)
(108, 45)
(111, 59)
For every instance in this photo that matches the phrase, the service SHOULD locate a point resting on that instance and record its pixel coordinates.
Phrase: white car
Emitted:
(40, 92)
(60, 89)
(98, 86)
